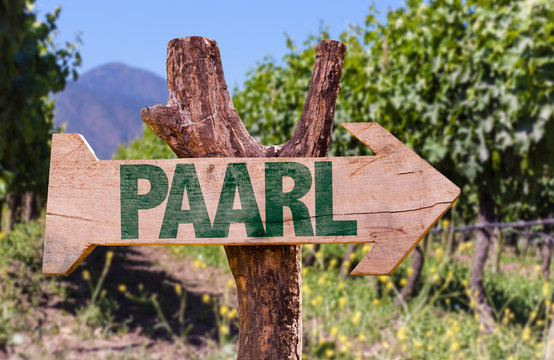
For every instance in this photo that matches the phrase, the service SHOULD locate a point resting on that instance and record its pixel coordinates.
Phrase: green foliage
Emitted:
(21, 281)
(32, 67)
(468, 85)
(148, 147)
(360, 317)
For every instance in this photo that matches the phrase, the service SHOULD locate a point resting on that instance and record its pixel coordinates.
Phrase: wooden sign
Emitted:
(391, 199)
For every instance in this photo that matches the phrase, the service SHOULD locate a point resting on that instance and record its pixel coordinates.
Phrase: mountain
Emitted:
(104, 105)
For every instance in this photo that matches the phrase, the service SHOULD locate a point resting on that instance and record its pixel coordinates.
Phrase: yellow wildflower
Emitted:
(223, 310)
(361, 337)
(432, 270)
(403, 282)
(356, 318)
(383, 279)
(343, 339)
(224, 329)
(232, 314)
(316, 301)
(122, 288)
(334, 331)
(385, 345)
(352, 256)
(109, 256)
(206, 299)
(545, 289)
(526, 334)
(341, 286)
(86, 275)
(376, 302)
(230, 283)
(366, 248)
(401, 334)
(533, 315)
(333, 263)
(439, 253)
(103, 294)
(329, 353)
(342, 301)
(306, 289)
(418, 344)
(409, 272)
(455, 346)
(178, 289)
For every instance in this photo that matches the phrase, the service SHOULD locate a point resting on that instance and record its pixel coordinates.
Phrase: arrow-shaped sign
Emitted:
(391, 199)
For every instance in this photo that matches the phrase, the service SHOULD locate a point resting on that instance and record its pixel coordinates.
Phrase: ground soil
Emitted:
(134, 332)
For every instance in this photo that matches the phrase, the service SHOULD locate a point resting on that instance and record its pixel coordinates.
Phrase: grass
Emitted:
(352, 318)
(360, 317)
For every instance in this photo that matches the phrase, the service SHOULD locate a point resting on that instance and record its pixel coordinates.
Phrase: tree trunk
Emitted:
(345, 267)
(200, 121)
(310, 259)
(417, 266)
(27, 206)
(527, 242)
(546, 253)
(483, 238)
(497, 250)
(13, 204)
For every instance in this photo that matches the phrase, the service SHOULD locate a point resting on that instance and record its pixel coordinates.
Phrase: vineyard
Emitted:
(467, 85)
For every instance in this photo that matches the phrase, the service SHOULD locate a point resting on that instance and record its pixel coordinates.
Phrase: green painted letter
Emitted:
(276, 199)
(132, 202)
(237, 178)
(185, 177)
(324, 223)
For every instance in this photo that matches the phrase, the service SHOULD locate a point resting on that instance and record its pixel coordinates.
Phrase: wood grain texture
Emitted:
(199, 120)
(394, 197)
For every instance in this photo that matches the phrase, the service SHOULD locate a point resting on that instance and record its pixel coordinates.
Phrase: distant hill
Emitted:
(104, 105)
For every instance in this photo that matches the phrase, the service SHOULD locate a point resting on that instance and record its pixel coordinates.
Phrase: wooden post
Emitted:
(200, 120)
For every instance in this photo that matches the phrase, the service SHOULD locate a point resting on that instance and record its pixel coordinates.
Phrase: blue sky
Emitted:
(137, 32)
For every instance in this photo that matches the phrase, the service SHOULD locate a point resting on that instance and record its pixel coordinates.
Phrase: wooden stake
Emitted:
(199, 120)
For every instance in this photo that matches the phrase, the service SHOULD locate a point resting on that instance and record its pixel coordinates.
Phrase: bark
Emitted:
(199, 120)
(310, 259)
(417, 265)
(527, 243)
(29, 206)
(546, 254)
(497, 247)
(344, 270)
(13, 204)
(482, 243)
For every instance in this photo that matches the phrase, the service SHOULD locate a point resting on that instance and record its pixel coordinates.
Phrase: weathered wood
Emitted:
(200, 120)
(391, 199)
